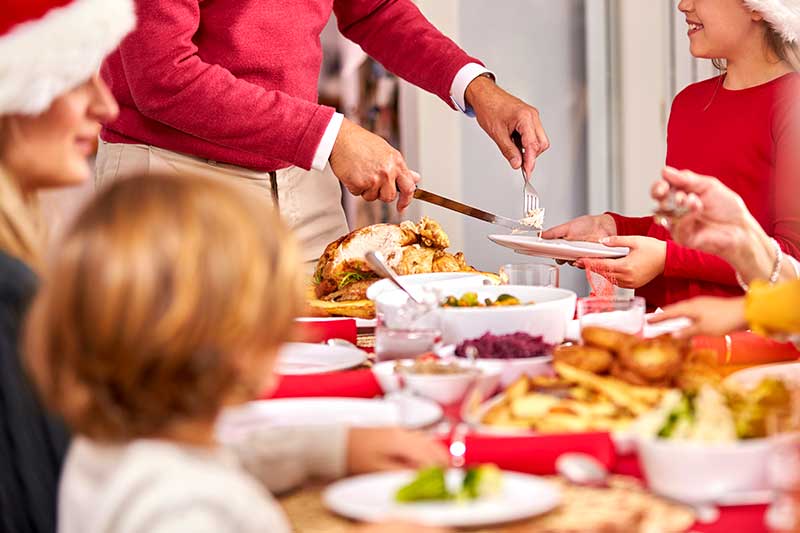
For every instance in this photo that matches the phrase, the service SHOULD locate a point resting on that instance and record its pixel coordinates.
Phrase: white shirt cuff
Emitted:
(325, 147)
(458, 88)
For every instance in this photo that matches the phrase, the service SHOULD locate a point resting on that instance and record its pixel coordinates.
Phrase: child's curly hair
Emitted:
(168, 298)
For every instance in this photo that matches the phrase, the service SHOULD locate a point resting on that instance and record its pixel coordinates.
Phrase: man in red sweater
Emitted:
(228, 88)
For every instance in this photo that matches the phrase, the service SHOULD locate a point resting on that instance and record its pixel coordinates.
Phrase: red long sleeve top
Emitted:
(236, 80)
(747, 139)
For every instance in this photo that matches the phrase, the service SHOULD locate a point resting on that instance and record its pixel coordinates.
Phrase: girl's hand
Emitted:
(709, 316)
(585, 228)
(376, 449)
(644, 262)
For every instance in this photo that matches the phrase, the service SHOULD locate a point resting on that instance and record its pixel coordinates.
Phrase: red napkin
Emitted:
(350, 384)
(748, 349)
(322, 329)
(537, 454)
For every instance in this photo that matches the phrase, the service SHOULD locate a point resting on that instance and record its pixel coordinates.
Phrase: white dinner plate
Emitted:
(371, 498)
(303, 358)
(405, 410)
(750, 377)
(558, 248)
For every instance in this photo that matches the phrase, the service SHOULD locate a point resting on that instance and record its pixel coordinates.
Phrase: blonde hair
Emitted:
(20, 232)
(165, 294)
(777, 45)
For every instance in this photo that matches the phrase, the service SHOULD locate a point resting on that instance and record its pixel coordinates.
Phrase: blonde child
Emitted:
(167, 302)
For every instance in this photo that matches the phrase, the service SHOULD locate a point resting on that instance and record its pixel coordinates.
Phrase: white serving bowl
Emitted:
(510, 369)
(444, 389)
(705, 472)
(439, 280)
(547, 316)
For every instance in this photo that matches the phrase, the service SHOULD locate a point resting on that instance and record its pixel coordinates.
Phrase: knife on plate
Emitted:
(474, 212)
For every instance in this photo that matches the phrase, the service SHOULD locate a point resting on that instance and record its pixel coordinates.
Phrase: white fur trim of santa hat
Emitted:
(44, 58)
(782, 15)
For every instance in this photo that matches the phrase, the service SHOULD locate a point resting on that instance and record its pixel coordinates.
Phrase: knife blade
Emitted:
(474, 212)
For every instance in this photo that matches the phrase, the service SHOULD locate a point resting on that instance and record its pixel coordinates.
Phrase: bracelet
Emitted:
(728, 349)
(776, 268)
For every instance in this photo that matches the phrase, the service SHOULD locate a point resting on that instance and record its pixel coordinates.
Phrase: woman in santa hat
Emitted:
(51, 106)
(736, 126)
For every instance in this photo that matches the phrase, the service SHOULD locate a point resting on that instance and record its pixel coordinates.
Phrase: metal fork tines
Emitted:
(530, 198)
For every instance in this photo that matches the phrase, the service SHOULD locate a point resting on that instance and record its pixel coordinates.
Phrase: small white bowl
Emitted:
(510, 369)
(444, 389)
(547, 316)
(698, 472)
(436, 280)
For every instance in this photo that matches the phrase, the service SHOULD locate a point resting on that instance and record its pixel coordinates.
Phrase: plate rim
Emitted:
(351, 512)
(612, 253)
(360, 354)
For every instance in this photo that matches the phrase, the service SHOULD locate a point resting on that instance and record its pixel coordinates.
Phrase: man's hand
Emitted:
(369, 167)
(500, 114)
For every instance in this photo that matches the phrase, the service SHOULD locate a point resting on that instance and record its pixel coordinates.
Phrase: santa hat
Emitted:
(48, 47)
(782, 15)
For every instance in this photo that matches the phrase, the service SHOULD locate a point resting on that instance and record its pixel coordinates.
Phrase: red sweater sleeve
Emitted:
(786, 196)
(171, 84)
(683, 262)
(400, 37)
(631, 225)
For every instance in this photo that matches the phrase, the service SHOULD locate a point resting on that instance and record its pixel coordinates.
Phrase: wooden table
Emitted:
(625, 507)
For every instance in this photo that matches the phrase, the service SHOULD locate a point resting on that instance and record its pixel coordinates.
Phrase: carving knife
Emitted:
(474, 212)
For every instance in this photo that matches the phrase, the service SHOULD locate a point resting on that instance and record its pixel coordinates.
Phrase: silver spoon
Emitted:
(584, 470)
(379, 266)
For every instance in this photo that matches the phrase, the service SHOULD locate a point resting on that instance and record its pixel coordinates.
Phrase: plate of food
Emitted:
(604, 384)
(477, 497)
(750, 377)
(713, 445)
(303, 358)
(558, 248)
(342, 276)
(469, 312)
(408, 411)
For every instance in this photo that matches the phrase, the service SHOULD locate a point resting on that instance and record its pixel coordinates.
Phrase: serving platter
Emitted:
(303, 358)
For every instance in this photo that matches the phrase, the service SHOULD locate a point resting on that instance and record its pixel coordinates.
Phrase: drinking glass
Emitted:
(531, 274)
(405, 328)
(621, 314)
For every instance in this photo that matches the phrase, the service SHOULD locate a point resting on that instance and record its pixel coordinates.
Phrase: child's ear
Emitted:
(756, 16)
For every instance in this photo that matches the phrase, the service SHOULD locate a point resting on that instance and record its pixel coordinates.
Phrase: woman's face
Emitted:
(52, 149)
(721, 28)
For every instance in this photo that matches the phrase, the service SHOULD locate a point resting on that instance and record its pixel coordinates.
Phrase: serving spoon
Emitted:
(378, 264)
(584, 470)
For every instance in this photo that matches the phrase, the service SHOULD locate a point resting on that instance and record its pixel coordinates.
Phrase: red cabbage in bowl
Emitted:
(512, 346)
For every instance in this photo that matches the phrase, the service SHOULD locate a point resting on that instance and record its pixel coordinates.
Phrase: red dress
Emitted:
(748, 140)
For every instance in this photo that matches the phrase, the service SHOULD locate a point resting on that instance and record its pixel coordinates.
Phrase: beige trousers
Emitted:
(310, 202)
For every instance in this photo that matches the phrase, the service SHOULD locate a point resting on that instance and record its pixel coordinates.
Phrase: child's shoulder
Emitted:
(700, 89)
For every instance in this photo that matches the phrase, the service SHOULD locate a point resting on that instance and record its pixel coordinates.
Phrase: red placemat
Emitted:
(347, 384)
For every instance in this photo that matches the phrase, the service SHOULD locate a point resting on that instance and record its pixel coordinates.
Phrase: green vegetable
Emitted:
(507, 299)
(428, 485)
(684, 411)
(318, 276)
(352, 277)
(469, 299)
(484, 480)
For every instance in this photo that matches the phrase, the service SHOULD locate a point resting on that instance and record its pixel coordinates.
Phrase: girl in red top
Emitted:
(734, 126)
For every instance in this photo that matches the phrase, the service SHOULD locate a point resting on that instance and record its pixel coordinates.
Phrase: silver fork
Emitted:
(529, 194)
